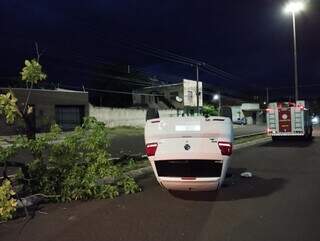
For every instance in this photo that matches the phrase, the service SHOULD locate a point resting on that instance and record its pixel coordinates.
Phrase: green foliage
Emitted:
(8, 107)
(32, 72)
(130, 186)
(70, 169)
(10, 151)
(209, 110)
(8, 204)
(131, 164)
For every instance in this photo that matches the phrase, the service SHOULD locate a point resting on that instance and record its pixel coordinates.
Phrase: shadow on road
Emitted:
(235, 188)
(289, 142)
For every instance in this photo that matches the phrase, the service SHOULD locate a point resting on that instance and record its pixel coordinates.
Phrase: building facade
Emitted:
(180, 96)
(67, 108)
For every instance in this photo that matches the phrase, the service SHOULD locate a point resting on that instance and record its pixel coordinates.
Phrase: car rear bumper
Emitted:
(286, 134)
(199, 184)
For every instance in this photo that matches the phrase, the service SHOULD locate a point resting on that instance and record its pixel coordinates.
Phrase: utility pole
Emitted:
(197, 89)
(128, 69)
(295, 57)
(220, 103)
(294, 8)
(267, 100)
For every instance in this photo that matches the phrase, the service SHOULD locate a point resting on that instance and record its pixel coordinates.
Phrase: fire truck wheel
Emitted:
(308, 135)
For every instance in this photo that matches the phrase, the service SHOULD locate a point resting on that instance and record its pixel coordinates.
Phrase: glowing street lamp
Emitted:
(216, 97)
(294, 8)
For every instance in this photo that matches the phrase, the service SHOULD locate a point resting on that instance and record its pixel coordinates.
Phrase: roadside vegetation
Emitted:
(125, 130)
(250, 138)
(64, 170)
(209, 110)
(8, 203)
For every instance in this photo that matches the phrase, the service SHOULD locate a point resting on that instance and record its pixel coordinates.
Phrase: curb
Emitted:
(140, 173)
(252, 143)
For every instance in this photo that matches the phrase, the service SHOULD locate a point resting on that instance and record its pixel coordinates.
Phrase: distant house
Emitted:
(250, 111)
(64, 107)
(180, 96)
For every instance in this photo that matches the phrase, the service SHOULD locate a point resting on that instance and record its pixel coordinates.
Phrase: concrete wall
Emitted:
(124, 117)
(191, 86)
(250, 107)
(236, 113)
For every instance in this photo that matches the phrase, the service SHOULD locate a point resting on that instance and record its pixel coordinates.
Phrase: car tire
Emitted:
(308, 135)
(152, 113)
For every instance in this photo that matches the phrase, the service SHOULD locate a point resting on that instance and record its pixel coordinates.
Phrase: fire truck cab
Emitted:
(289, 119)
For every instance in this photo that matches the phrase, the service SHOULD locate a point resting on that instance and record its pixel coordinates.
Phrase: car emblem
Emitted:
(187, 147)
(284, 116)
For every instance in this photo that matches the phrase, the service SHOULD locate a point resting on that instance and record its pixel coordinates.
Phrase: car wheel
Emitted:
(152, 113)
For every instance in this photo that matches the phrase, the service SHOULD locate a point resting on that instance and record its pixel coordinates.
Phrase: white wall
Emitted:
(191, 85)
(124, 117)
(236, 113)
(250, 106)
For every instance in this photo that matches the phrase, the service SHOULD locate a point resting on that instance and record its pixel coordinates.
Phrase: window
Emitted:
(190, 96)
(173, 95)
(143, 99)
(68, 117)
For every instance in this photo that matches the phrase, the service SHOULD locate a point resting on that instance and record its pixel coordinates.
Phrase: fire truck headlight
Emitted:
(315, 120)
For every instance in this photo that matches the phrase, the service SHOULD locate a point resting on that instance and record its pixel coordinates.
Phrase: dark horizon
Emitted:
(251, 40)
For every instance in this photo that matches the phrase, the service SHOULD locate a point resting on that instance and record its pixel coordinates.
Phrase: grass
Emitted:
(115, 131)
(251, 138)
(134, 165)
(125, 130)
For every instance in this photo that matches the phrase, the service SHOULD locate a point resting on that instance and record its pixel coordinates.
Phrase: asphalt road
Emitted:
(134, 144)
(280, 203)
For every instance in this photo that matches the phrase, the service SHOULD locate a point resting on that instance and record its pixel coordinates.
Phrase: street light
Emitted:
(294, 8)
(216, 97)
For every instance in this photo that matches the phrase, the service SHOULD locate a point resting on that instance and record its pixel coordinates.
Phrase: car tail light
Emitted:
(151, 149)
(225, 147)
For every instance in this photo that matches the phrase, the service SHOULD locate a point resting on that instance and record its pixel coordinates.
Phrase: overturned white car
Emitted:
(189, 153)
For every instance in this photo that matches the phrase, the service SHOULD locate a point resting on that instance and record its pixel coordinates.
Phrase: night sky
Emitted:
(251, 39)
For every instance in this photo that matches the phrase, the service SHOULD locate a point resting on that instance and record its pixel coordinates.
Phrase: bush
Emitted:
(209, 110)
(7, 203)
(70, 169)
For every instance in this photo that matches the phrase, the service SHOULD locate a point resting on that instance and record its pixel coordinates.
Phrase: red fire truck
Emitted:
(289, 119)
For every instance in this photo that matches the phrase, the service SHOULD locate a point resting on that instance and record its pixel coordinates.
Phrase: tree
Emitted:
(209, 110)
(31, 74)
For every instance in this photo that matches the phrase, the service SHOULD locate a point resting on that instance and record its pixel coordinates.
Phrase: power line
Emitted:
(292, 87)
(110, 91)
(166, 55)
(109, 76)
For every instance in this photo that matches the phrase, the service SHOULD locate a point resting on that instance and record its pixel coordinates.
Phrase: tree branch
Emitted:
(31, 86)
